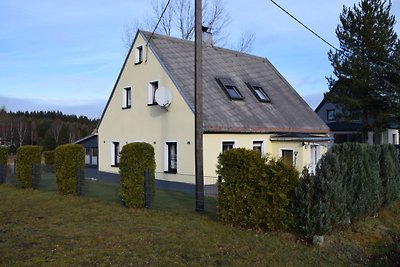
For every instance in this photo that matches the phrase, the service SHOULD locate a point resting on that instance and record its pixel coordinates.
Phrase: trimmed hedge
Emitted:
(253, 191)
(135, 159)
(3, 155)
(351, 181)
(69, 162)
(49, 157)
(26, 157)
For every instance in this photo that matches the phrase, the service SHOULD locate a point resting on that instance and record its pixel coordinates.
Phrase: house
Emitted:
(343, 131)
(90, 143)
(247, 103)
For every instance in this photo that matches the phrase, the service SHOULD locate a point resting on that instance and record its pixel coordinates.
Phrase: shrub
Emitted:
(26, 157)
(253, 192)
(69, 162)
(49, 157)
(135, 159)
(389, 173)
(3, 155)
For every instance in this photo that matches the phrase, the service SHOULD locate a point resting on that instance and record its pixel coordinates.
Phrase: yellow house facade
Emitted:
(153, 102)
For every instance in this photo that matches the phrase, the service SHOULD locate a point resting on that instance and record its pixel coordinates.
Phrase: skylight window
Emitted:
(229, 88)
(258, 91)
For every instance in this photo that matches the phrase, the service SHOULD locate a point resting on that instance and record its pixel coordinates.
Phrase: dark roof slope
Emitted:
(287, 112)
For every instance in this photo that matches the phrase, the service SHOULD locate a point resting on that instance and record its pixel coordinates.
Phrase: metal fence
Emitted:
(168, 196)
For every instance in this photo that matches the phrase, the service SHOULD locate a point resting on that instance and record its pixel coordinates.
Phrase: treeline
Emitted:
(44, 128)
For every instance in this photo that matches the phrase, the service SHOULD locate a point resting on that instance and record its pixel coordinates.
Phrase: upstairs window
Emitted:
(330, 115)
(229, 88)
(227, 145)
(151, 100)
(139, 54)
(127, 98)
(258, 91)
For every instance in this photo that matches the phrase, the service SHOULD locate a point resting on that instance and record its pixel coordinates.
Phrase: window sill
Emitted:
(171, 171)
(128, 107)
(137, 63)
(115, 165)
(154, 104)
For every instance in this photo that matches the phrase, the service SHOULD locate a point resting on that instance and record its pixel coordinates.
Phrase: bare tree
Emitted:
(246, 42)
(56, 129)
(178, 20)
(21, 126)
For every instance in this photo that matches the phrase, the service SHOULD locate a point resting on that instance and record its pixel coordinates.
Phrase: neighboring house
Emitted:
(90, 143)
(350, 131)
(247, 103)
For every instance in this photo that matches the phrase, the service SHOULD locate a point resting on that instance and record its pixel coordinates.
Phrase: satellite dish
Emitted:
(163, 97)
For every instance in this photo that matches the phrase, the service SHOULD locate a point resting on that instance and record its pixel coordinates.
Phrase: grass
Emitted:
(45, 228)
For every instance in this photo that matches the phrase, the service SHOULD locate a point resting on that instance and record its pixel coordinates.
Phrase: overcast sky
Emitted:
(66, 55)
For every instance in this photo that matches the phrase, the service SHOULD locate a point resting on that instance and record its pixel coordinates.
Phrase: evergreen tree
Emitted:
(367, 43)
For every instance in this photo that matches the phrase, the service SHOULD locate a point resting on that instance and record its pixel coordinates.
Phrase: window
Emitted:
(394, 138)
(151, 100)
(287, 156)
(330, 115)
(227, 145)
(258, 146)
(139, 55)
(172, 157)
(127, 98)
(258, 91)
(114, 154)
(229, 88)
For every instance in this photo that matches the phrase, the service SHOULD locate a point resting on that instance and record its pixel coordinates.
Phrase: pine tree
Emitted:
(367, 43)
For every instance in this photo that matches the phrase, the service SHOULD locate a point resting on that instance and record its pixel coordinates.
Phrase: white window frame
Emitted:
(138, 54)
(262, 145)
(226, 141)
(127, 99)
(115, 163)
(151, 92)
(166, 156)
(293, 158)
(314, 161)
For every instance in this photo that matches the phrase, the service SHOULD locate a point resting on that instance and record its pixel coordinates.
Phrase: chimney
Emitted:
(207, 36)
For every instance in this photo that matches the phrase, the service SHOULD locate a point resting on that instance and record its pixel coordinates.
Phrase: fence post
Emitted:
(147, 188)
(35, 175)
(3, 173)
(78, 182)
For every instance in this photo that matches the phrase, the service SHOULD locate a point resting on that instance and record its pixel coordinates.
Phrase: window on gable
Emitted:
(227, 145)
(172, 157)
(115, 154)
(229, 88)
(151, 100)
(330, 115)
(258, 91)
(139, 54)
(127, 98)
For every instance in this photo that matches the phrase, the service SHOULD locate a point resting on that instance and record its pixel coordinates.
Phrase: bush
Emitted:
(49, 157)
(3, 155)
(135, 159)
(389, 173)
(26, 157)
(253, 191)
(69, 162)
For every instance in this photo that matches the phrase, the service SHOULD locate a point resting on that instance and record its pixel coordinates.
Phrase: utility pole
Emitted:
(198, 118)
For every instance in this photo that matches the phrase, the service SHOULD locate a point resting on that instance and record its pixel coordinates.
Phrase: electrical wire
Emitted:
(155, 28)
(302, 24)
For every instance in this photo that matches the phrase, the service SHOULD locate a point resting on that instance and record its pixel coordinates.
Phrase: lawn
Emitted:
(45, 228)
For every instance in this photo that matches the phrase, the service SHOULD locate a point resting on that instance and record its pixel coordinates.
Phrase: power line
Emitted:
(155, 28)
(305, 26)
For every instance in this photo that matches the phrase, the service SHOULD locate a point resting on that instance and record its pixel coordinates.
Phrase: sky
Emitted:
(66, 55)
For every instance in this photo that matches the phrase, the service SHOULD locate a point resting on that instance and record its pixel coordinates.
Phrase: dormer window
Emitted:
(139, 54)
(229, 88)
(258, 91)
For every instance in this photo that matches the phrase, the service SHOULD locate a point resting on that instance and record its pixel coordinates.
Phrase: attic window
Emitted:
(139, 55)
(258, 91)
(229, 88)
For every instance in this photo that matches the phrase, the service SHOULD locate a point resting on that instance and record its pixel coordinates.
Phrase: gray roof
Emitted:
(287, 111)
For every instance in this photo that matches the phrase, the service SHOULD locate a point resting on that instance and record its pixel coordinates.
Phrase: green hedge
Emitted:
(3, 155)
(69, 163)
(49, 157)
(26, 157)
(253, 191)
(351, 181)
(135, 159)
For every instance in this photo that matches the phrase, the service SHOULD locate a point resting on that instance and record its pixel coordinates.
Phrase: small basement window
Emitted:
(229, 88)
(258, 91)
